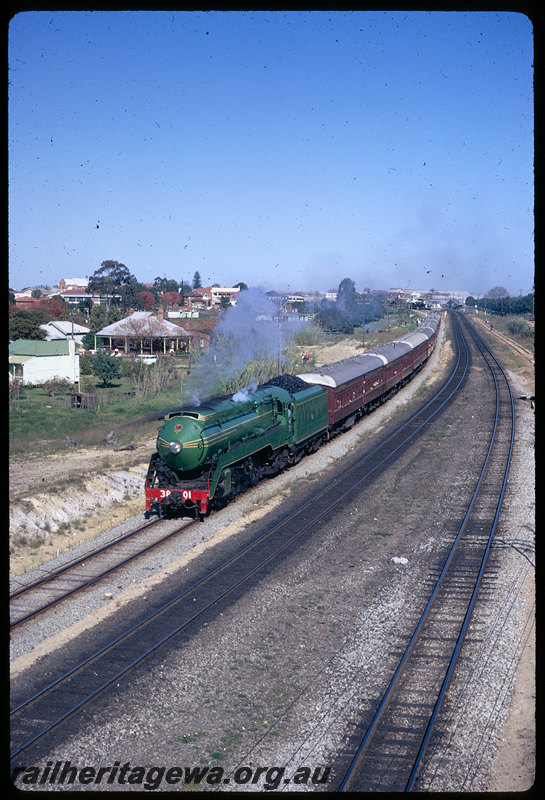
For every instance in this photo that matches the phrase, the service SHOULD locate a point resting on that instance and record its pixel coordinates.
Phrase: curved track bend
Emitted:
(392, 750)
(37, 714)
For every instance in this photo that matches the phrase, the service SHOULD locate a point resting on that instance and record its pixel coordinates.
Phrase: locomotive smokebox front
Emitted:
(180, 443)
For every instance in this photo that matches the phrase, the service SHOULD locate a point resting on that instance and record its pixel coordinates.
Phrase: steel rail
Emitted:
(89, 581)
(481, 344)
(373, 725)
(74, 562)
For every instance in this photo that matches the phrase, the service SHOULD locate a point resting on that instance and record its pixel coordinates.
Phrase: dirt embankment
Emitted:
(57, 501)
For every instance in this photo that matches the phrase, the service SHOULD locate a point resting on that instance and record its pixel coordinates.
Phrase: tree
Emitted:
(496, 292)
(148, 299)
(26, 324)
(160, 284)
(241, 285)
(347, 301)
(170, 299)
(55, 306)
(197, 280)
(98, 318)
(88, 341)
(110, 278)
(86, 306)
(106, 367)
(333, 320)
(518, 327)
(130, 296)
(114, 315)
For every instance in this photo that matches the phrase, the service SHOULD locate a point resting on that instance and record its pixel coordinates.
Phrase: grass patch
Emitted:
(35, 428)
(231, 738)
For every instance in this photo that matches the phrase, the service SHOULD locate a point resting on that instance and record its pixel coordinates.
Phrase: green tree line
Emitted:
(504, 305)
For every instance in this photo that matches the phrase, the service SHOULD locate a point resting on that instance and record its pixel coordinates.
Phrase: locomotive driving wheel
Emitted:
(254, 472)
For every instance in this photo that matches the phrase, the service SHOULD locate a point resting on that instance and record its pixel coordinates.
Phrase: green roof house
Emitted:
(37, 361)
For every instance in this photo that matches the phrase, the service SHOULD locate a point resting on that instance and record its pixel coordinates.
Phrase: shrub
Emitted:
(517, 327)
(15, 386)
(127, 368)
(85, 365)
(57, 384)
(106, 367)
(310, 334)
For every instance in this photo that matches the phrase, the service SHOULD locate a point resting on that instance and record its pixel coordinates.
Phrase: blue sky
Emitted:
(283, 149)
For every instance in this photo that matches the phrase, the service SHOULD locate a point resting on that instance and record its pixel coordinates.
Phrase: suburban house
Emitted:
(219, 292)
(143, 332)
(210, 296)
(74, 297)
(37, 361)
(23, 300)
(58, 329)
(198, 298)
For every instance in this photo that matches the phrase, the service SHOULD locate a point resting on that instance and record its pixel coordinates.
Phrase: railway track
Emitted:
(508, 342)
(38, 713)
(389, 754)
(31, 599)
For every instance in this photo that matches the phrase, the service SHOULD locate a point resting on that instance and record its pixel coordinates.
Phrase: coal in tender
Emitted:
(291, 383)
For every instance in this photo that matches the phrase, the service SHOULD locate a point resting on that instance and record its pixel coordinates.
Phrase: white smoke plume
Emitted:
(250, 330)
(244, 394)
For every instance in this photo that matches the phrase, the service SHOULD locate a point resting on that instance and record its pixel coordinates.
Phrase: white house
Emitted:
(218, 292)
(59, 329)
(38, 361)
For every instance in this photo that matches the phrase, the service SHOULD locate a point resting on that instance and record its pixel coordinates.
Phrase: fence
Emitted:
(88, 402)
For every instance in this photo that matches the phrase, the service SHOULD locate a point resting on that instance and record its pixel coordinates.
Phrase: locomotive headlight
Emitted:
(175, 447)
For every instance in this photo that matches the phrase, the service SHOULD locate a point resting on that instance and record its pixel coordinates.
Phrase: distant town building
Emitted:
(74, 297)
(73, 283)
(218, 292)
(198, 298)
(24, 300)
(432, 297)
(209, 296)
